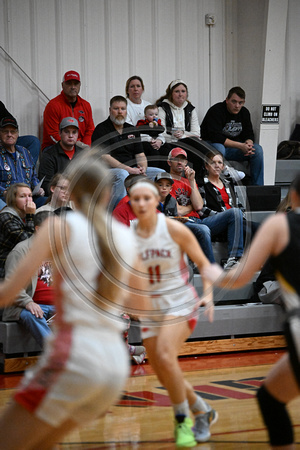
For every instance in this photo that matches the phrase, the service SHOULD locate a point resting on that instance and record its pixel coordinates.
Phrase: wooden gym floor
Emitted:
(143, 417)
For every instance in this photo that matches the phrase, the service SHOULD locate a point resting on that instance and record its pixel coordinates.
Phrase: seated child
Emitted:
(167, 204)
(153, 139)
(151, 121)
(123, 211)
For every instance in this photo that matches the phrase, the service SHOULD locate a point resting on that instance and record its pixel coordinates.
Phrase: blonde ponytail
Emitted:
(90, 187)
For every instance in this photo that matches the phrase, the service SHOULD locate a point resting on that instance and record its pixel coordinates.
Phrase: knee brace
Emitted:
(276, 418)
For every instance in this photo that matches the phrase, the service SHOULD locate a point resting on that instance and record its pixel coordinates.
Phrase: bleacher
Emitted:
(240, 324)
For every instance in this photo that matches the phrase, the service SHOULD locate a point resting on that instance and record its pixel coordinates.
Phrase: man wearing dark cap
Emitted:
(30, 142)
(16, 164)
(56, 158)
(68, 104)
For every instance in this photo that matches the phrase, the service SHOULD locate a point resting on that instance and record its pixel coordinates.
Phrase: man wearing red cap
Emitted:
(189, 200)
(190, 204)
(68, 104)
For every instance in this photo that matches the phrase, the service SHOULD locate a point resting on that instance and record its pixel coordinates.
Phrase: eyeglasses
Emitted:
(63, 188)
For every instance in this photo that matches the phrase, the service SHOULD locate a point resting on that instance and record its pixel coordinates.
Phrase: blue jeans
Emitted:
(231, 221)
(202, 234)
(39, 201)
(32, 144)
(37, 327)
(120, 175)
(256, 160)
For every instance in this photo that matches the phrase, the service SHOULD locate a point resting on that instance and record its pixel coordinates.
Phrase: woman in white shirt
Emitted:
(180, 119)
(135, 111)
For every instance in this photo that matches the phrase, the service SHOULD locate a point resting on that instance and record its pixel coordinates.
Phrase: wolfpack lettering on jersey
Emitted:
(155, 253)
(167, 272)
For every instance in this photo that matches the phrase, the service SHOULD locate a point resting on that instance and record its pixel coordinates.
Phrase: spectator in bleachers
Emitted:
(16, 163)
(59, 194)
(180, 120)
(125, 151)
(228, 128)
(55, 159)
(68, 104)
(34, 305)
(16, 220)
(218, 192)
(32, 143)
(189, 200)
(153, 145)
(152, 137)
(219, 198)
(123, 211)
(167, 204)
(134, 90)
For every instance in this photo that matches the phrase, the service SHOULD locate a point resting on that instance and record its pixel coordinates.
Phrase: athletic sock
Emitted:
(181, 411)
(131, 349)
(200, 406)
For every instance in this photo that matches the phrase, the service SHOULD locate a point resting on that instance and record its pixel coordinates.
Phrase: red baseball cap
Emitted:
(71, 75)
(176, 152)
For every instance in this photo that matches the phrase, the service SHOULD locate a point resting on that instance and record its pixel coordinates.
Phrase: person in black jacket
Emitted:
(167, 204)
(125, 154)
(32, 143)
(218, 194)
(56, 158)
(227, 127)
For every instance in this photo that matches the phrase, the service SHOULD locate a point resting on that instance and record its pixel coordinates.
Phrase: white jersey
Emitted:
(72, 379)
(167, 270)
(79, 271)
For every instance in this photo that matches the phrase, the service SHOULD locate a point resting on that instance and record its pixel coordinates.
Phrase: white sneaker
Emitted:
(230, 263)
(236, 175)
(139, 359)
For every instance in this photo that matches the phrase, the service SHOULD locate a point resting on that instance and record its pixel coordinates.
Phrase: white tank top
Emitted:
(167, 270)
(79, 271)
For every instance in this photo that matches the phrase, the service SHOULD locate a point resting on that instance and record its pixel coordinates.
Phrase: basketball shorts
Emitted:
(80, 375)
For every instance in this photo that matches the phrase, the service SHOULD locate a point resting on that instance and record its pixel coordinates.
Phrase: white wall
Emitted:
(109, 40)
(251, 31)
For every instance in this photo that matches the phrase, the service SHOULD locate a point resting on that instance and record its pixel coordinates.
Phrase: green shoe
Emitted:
(184, 436)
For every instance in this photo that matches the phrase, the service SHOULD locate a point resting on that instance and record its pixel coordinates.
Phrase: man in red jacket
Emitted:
(68, 104)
